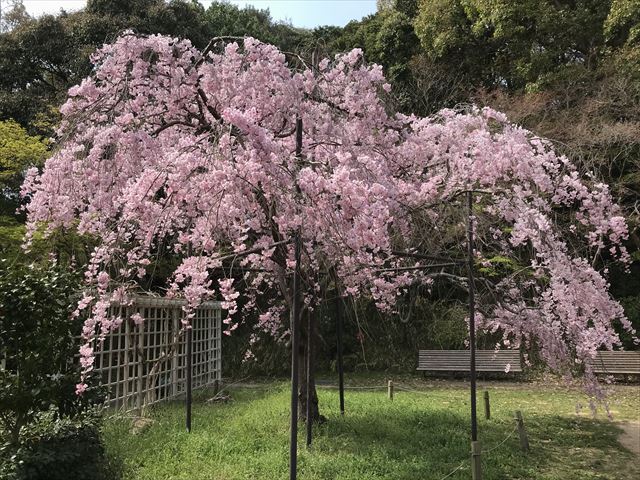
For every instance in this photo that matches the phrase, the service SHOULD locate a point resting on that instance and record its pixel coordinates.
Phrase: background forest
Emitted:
(568, 70)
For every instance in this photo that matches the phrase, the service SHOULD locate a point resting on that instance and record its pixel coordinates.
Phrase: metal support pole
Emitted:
(295, 323)
(308, 412)
(339, 328)
(475, 445)
(189, 374)
(472, 317)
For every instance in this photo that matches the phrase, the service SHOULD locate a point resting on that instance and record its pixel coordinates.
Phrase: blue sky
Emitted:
(311, 13)
(302, 13)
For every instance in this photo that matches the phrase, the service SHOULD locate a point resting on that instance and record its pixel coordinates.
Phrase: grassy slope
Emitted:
(417, 436)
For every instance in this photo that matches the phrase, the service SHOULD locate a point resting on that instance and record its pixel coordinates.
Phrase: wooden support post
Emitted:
(189, 374)
(522, 433)
(487, 406)
(476, 470)
(390, 389)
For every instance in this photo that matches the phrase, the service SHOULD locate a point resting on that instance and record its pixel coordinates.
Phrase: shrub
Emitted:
(57, 448)
(36, 344)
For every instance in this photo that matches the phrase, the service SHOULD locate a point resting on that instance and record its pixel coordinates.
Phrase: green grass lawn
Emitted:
(416, 436)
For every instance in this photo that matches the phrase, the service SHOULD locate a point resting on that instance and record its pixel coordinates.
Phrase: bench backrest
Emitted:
(617, 362)
(458, 360)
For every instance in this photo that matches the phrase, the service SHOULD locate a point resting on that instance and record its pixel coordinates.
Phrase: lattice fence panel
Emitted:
(142, 365)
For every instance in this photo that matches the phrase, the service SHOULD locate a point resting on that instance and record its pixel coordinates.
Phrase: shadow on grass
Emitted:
(431, 444)
(402, 445)
(579, 448)
(376, 439)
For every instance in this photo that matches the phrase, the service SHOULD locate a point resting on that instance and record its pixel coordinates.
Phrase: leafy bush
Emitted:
(37, 344)
(53, 447)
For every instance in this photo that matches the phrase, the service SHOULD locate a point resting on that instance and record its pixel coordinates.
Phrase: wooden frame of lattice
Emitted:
(142, 365)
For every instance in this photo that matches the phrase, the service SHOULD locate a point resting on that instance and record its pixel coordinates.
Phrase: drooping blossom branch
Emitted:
(165, 146)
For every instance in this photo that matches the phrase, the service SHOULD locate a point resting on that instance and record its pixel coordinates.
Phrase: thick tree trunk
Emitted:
(307, 361)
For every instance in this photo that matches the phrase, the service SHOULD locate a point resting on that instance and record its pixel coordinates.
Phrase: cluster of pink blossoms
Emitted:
(167, 146)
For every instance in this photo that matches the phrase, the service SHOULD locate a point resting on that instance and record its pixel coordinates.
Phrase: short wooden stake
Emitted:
(487, 406)
(524, 441)
(476, 468)
(390, 390)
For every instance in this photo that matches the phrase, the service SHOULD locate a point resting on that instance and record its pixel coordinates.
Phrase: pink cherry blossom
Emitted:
(168, 146)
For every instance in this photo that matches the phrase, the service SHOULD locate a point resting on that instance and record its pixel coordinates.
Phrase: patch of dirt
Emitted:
(630, 436)
(140, 424)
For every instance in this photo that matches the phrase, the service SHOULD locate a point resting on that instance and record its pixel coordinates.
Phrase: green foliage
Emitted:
(182, 18)
(35, 61)
(54, 448)
(14, 13)
(67, 247)
(512, 43)
(497, 266)
(11, 237)
(623, 22)
(37, 344)
(227, 19)
(18, 151)
(442, 27)
(417, 435)
(408, 7)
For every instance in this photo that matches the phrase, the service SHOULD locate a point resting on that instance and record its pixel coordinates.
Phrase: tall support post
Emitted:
(189, 375)
(475, 444)
(309, 365)
(339, 328)
(295, 323)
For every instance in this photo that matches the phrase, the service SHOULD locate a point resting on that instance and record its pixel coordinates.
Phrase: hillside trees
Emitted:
(513, 43)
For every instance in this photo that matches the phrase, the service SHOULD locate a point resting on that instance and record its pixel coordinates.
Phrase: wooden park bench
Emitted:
(504, 361)
(617, 363)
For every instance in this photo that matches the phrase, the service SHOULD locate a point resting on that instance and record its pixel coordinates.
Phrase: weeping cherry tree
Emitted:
(194, 152)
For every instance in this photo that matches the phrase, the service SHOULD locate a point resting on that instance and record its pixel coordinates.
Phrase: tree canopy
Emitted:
(166, 146)
(583, 96)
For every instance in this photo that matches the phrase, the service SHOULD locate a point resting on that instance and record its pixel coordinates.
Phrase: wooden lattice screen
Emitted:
(142, 365)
